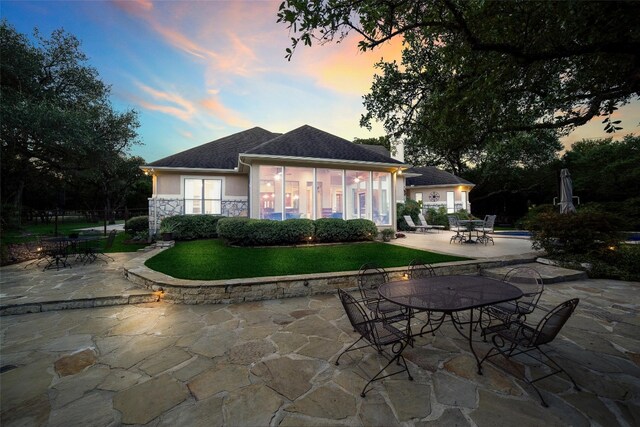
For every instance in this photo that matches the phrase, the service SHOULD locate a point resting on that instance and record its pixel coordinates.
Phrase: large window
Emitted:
(329, 202)
(271, 191)
(298, 192)
(202, 196)
(451, 203)
(381, 201)
(357, 194)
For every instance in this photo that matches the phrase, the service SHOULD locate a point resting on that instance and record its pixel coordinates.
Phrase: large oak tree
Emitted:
(58, 129)
(478, 74)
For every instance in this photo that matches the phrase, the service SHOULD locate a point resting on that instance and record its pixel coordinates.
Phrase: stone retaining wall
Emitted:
(264, 288)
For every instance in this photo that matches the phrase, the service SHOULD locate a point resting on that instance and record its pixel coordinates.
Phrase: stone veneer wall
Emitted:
(265, 288)
(170, 207)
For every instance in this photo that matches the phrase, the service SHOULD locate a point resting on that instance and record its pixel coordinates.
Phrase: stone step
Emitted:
(132, 297)
(549, 273)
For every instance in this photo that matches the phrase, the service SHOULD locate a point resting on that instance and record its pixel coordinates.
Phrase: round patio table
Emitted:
(450, 295)
(471, 224)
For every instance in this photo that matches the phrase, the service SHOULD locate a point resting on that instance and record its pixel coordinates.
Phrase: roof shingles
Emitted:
(430, 175)
(303, 142)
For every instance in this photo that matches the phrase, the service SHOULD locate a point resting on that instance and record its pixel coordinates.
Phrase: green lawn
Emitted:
(212, 260)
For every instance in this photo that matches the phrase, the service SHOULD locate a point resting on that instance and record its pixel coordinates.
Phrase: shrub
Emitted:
(136, 224)
(189, 227)
(584, 232)
(264, 232)
(234, 230)
(361, 229)
(437, 216)
(411, 208)
(331, 230)
(294, 231)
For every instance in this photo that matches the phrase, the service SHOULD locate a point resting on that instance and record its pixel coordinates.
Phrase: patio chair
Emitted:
(423, 222)
(455, 226)
(531, 284)
(418, 269)
(95, 251)
(412, 224)
(520, 338)
(376, 333)
(370, 278)
(36, 249)
(487, 227)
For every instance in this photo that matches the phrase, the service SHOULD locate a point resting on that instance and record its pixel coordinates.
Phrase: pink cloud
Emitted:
(344, 68)
(225, 114)
(134, 7)
(181, 108)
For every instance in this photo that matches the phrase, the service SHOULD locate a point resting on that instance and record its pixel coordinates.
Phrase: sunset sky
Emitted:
(200, 70)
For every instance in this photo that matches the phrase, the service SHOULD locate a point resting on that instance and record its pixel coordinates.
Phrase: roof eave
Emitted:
(401, 166)
(185, 169)
(455, 184)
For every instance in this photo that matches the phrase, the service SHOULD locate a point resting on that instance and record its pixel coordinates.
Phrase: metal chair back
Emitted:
(418, 269)
(552, 323)
(453, 222)
(370, 277)
(530, 283)
(489, 221)
(357, 316)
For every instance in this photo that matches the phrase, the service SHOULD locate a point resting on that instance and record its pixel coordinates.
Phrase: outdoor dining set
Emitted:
(463, 228)
(57, 252)
(391, 316)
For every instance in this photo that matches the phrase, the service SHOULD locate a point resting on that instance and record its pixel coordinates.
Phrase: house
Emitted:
(304, 173)
(436, 188)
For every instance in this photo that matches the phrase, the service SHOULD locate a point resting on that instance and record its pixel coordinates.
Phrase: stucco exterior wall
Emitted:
(168, 196)
(442, 196)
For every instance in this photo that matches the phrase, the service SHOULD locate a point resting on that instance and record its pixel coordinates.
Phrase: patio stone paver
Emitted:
(272, 363)
(325, 402)
(144, 402)
(221, 378)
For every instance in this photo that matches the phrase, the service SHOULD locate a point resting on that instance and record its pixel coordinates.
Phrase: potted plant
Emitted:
(387, 234)
(166, 231)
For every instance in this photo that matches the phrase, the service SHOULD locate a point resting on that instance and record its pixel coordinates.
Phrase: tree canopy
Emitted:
(590, 160)
(475, 71)
(58, 125)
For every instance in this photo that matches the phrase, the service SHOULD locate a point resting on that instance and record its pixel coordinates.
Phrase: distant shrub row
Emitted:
(263, 232)
(136, 225)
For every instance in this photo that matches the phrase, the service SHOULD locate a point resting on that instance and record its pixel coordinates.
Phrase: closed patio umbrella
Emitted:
(566, 192)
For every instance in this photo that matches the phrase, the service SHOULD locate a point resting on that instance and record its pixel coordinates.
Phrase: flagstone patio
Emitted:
(271, 363)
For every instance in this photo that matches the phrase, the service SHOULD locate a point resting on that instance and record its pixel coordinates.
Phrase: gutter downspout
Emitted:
(250, 178)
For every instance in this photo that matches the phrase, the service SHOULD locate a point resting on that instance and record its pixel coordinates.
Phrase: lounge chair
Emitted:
(423, 222)
(412, 224)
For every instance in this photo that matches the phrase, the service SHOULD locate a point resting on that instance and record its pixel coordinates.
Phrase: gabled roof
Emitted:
(377, 148)
(430, 175)
(309, 142)
(219, 154)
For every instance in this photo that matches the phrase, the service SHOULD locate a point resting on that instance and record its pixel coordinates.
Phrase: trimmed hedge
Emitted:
(189, 227)
(264, 232)
(136, 225)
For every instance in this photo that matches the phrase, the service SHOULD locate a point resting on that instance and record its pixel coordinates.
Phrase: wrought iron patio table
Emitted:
(451, 295)
(471, 224)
